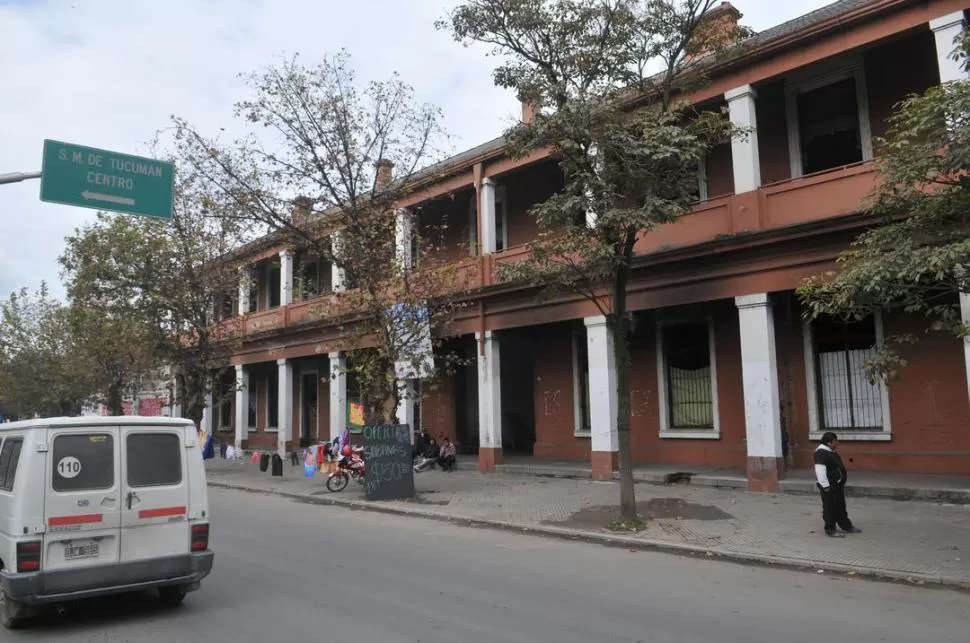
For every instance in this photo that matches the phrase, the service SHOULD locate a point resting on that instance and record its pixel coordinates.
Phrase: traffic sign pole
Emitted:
(17, 177)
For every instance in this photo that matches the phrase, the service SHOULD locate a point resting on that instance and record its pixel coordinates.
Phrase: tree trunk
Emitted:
(621, 356)
(114, 400)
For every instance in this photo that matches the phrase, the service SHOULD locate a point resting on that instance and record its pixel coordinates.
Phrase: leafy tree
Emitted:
(104, 314)
(161, 282)
(315, 172)
(628, 148)
(44, 368)
(917, 259)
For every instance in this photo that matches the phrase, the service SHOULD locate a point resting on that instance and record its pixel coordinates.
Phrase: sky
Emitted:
(110, 74)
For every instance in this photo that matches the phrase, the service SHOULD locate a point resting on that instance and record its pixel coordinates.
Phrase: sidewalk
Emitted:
(919, 542)
(862, 484)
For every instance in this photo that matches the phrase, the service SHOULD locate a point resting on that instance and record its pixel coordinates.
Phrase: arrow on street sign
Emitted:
(103, 180)
(88, 196)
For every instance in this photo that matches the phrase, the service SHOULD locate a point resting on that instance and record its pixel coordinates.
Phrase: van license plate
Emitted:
(78, 551)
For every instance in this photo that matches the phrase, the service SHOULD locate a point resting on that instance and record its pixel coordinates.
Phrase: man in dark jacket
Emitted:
(831, 477)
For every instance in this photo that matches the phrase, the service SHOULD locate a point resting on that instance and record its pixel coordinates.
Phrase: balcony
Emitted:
(815, 197)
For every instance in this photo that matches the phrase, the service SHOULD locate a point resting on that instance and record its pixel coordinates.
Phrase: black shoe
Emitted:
(852, 530)
(834, 534)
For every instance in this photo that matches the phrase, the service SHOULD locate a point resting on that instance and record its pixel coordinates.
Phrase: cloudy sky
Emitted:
(109, 73)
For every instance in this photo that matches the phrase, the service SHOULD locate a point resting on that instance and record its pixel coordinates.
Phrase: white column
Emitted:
(245, 277)
(759, 374)
(338, 276)
(207, 418)
(489, 393)
(487, 213)
(405, 403)
(242, 405)
(965, 315)
(286, 278)
(602, 385)
(403, 232)
(284, 405)
(945, 30)
(744, 147)
(338, 394)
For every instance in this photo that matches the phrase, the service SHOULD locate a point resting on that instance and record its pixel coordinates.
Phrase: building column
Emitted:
(486, 212)
(338, 394)
(744, 147)
(489, 402)
(945, 30)
(406, 392)
(403, 234)
(286, 278)
(338, 276)
(965, 316)
(602, 398)
(208, 420)
(242, 405)
(284, 405)
(762, 407)
(245, 277)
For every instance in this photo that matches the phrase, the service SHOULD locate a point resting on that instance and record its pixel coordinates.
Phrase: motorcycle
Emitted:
(348, 467)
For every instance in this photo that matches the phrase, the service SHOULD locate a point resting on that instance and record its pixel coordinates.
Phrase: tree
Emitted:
(167, 279)
(43, 367)
(104, 314)
(916, 259)
(319, 179)
(628, 149)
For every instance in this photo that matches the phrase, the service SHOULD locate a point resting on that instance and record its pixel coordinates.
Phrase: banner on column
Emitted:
(411, 335)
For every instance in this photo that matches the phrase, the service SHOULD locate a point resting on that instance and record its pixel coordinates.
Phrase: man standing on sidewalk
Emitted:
(831, 475)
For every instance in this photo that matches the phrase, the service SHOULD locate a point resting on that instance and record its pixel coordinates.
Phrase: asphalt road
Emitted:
(287, 571)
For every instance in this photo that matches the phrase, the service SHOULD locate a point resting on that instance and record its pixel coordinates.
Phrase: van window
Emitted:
(154, 460)
(83, 462)
(9, 460)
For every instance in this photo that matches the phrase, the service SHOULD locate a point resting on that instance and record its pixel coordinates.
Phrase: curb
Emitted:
(613, 540)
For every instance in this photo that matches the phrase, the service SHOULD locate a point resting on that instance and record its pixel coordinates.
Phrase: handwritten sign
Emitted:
(387, 454)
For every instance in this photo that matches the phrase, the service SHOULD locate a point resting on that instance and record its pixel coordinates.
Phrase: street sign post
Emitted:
(91, 178)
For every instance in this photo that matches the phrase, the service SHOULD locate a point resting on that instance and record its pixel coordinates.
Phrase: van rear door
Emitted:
(82, 508)
(155, 494)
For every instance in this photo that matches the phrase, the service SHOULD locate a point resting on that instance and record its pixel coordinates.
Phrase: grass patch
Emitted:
(633, 525)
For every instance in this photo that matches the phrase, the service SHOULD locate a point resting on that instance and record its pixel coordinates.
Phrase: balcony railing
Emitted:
(796, 201)
(809, 198)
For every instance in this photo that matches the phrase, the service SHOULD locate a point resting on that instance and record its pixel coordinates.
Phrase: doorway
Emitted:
(309, 403)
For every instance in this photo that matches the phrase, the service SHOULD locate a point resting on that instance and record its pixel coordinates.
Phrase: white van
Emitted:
(100, 505)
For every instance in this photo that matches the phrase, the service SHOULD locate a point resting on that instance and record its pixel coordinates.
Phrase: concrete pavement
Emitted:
(915, 542)
(291, 571)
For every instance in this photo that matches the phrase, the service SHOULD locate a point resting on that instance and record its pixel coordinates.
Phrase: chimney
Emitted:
(530, 107)
(385, 174)
(529, 111)
(716, 29)
(302, 209)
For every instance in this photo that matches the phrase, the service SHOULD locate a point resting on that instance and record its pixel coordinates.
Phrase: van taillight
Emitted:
(28, 556)
(200, 537)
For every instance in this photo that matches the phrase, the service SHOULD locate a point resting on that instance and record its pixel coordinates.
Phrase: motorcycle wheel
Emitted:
(337, 481)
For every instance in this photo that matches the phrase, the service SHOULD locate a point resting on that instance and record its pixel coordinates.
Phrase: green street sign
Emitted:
(90, 178)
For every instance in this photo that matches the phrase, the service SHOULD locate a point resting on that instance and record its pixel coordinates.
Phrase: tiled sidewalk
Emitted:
(915, 541)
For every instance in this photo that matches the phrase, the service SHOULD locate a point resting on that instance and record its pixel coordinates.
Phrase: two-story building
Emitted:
(726, 371)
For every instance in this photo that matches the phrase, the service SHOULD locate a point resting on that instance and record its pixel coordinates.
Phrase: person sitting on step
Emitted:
(446, 457)
(431, 453)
